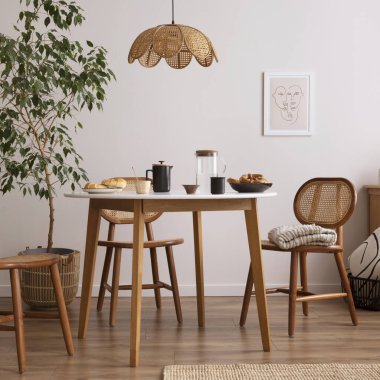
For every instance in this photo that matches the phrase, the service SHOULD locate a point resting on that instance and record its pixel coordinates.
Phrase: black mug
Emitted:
(217, 185)
(161, 177)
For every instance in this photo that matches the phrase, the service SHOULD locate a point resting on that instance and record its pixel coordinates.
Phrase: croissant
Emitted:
(117, 182)
(92, 185)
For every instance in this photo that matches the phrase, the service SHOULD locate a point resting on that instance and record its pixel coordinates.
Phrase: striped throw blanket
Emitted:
(287, 237)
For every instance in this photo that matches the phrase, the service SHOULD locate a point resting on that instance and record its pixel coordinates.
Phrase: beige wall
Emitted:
(163, 114)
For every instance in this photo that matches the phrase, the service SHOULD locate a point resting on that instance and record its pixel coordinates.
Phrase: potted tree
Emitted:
(45, 79)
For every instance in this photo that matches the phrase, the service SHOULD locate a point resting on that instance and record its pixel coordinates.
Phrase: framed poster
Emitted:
(287, 104)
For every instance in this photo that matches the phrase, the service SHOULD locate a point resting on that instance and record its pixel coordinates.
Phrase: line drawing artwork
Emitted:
(288, 101)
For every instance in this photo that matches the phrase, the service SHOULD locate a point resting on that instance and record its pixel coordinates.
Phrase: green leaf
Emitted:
(47, 21)
(90, 44)
(36, 188)
(35, 100)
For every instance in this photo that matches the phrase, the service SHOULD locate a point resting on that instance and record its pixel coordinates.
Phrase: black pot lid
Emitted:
(162, 163)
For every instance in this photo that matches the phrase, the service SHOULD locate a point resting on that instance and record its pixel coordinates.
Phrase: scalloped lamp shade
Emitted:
(177, 44)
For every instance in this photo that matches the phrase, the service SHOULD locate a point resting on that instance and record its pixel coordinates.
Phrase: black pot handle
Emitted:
(146, 175)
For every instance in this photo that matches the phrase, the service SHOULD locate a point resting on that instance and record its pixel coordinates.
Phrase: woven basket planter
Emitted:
(36, 287)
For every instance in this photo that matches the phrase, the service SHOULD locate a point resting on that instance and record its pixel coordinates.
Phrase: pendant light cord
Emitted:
(172, 11)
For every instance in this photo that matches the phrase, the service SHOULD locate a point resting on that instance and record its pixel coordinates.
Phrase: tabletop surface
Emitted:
(167, 196)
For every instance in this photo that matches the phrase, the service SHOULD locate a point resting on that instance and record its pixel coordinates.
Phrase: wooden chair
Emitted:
(14, 265)
(327, 202)
(122, 217)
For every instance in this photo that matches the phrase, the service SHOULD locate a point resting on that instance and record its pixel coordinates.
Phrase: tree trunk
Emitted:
(51, 210)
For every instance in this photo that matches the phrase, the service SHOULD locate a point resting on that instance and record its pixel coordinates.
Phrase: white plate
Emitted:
(102, 191)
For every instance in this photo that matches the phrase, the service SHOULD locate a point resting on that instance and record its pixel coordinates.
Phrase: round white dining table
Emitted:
(170, 202)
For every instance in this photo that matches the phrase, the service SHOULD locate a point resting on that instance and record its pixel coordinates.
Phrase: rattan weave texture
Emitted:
(327, 202)
(177, 44)
(126, 217)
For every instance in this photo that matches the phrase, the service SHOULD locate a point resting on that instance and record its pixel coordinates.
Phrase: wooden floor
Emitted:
(325, 336)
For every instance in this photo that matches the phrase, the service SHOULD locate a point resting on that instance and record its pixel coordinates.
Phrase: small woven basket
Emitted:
(36, 286)
(365, 292)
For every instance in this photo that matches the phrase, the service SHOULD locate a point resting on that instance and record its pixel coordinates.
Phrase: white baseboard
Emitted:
(218, 290)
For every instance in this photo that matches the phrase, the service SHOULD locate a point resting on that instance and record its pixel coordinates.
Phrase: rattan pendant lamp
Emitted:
(176, 43)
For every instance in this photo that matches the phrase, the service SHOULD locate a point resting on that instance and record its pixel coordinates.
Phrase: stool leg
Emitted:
(115, 286)
(19, 318)
(105, 273)
(65, 324)
(292, 293)
(346, 286)
(174, 283)
(303, 273)
(247, 298)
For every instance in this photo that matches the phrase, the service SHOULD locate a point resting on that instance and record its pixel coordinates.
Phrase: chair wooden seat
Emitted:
(269, 246)
(28, 261)
(326, 202)
(14, 264)
(114, 248)
(147, 244)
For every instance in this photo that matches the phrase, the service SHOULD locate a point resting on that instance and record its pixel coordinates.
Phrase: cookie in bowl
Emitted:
(250, 183)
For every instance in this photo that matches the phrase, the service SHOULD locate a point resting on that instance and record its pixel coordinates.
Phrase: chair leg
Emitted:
(115, 286)
(303, 273)
(247, 297)
(19, 319)
(292, 293)
(346, 287)
(153, 260)
(155, 275)
(105, 273)
(174, 283)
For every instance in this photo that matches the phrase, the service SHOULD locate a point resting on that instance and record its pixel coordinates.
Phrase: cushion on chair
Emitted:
(365, 260)
(269, 246)
(288, 237)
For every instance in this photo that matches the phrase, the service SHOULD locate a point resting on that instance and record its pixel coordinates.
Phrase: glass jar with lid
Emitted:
(207, 166)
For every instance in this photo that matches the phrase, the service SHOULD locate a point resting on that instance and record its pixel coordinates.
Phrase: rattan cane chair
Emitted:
(14, 265)
(329, 203)
(122, 217)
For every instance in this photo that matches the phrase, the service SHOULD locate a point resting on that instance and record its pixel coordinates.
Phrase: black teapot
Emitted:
(161, 177)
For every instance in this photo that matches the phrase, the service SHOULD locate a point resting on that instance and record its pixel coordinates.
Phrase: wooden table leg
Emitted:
(137, 266)
(198, 250)
(251, 220)
(93, 224)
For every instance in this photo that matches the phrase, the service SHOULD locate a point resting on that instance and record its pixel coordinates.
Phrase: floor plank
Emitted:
(325, 336)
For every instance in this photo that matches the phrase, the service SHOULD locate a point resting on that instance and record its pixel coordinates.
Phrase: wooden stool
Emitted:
(14, 264)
